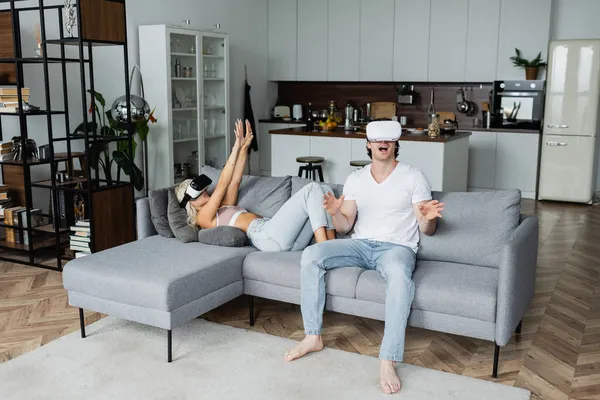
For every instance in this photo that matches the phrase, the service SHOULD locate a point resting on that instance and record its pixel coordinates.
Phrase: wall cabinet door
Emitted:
(482, 160)
(517, 161)
(282, 31)
(343, 41)
(336, 167)
(376, 40)
(312, 39)
(482, 40)
(524, 25)
(411, 40)
(448, 40)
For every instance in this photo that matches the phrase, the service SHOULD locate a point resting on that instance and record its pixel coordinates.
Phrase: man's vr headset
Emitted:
(195, 189)
(384, 131)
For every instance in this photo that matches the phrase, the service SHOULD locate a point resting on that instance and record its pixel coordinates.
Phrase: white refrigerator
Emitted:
(568, 153)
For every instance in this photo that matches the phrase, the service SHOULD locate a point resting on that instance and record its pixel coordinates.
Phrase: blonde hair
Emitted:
(191, 211)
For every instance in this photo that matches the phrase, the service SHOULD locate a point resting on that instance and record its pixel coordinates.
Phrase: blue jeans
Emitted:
(293, 226)
(394, 262)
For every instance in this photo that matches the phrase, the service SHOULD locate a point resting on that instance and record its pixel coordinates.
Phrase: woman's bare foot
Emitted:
(388, 378)
(309, 344)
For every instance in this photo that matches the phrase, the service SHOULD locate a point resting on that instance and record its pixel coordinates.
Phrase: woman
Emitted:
(290, 229)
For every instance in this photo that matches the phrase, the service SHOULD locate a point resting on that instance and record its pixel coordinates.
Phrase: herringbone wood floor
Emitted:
(557, 356)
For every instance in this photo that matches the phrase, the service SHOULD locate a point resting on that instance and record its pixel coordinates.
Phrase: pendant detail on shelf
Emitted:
(70, 8)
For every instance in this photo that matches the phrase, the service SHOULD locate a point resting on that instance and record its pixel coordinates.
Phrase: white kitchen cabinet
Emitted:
(282, 40)
(264, 145)
(411, 40)
(482, 40)
(482, 160)
(376, 40)
(312, 39)
(448, 40)
(336, 167)
(517, 162)
(343, 61)
(524, 25)
(284, 151)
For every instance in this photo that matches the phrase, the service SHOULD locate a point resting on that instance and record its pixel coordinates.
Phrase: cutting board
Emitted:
(383, 109)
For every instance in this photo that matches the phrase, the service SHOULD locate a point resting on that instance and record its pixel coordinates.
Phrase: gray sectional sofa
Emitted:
(474, 277)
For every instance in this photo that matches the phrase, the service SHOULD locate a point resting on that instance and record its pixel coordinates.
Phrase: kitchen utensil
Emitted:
(297, 112)
(448, 127)
(281, 112)
(431, 110)
(349, 117)
(44, 152)
(367, 113)
(383, 110)
(461, 104)
(474, 108)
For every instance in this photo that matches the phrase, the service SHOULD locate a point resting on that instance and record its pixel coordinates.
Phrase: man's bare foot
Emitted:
(388, 379)
(309, 344)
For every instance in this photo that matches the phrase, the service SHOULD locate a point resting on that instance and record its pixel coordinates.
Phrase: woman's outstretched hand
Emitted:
(239, 134)
(248, 137)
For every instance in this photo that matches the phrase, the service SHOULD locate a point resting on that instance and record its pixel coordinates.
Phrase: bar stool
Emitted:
(359, 163)
(309, 169)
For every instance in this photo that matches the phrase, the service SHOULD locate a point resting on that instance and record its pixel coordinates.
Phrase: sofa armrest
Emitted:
(144, 224)
(516, 278)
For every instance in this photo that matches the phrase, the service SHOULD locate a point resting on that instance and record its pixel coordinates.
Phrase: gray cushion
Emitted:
(474, 228)
(228, 236)
(447, 288)
(283, 269)
(155, 272)
(258, 194)
(298, 183)
(158, 211)
(177, 217)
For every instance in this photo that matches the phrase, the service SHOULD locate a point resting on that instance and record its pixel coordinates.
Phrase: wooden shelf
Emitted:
(37, 244)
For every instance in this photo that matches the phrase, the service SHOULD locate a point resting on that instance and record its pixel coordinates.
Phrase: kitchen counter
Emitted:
(281, 121)
(529, 131)
(340, 133)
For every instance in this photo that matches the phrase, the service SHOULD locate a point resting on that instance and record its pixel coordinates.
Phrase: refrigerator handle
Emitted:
(556, 144)
(558, 126)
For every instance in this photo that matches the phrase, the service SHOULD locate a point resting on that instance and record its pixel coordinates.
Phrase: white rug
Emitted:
(125, 360)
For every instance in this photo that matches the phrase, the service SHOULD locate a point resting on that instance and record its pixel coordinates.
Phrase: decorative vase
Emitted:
(531, 73)
(70, 17)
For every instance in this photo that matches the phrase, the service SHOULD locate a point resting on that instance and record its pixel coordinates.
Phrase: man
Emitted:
(393, 202)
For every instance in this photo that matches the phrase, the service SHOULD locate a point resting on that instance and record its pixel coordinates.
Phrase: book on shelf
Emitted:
(11, 218)
(36, 220)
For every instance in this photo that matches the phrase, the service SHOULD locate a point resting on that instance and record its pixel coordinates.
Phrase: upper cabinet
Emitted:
(448, 40)
(282, 49)
(482, 40)
(411, 40)
(312, 39)
(343, 42)
(524, 25)
(376, 40)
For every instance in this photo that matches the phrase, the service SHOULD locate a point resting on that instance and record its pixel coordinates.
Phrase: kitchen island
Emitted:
(444, 160)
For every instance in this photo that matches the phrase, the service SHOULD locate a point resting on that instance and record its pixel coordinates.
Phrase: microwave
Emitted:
(518, 104)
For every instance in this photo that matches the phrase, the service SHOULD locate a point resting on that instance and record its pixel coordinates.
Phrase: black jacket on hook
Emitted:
(249, 115)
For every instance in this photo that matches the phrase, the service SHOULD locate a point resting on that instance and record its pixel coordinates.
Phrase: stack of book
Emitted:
(9, 100)
(4, 200)
(17, 217)
(6, 151)
(81, 238)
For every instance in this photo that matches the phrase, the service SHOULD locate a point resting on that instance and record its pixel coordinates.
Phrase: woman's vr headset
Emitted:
(195, 189)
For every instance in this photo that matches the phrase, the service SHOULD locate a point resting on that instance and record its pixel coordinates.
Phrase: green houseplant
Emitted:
(531, 66)
(102, 154)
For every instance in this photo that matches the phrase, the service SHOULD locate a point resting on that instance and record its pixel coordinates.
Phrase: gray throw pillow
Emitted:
(158, 201)
(177, 217)
(228, 236)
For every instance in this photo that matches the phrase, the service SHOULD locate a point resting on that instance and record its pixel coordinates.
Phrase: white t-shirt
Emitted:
(385, 210)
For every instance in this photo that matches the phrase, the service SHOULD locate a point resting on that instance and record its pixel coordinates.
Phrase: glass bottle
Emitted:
(434, 125)
(309, 118)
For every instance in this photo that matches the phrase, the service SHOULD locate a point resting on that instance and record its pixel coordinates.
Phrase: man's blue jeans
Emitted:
(394, 262)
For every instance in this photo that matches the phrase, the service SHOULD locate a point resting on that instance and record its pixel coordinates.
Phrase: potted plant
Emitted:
(531, 66)
(102, 155)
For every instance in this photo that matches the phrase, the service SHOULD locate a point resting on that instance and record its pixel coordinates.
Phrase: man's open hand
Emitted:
(431, 210)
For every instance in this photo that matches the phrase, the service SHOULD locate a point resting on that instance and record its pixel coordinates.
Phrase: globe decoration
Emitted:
(140, 109)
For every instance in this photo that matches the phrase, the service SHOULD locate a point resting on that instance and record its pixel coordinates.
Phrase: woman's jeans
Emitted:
(293, 226)
(394, 262)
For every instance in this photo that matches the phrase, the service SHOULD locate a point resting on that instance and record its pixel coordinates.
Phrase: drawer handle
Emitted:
(558, 126)
(556, 144)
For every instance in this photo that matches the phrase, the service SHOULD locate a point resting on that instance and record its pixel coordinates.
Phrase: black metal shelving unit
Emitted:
(57, 237)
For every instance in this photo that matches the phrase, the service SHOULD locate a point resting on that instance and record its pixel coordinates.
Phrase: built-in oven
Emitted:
(518, 104)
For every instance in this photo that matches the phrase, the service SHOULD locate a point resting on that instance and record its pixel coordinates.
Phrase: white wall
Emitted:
(578, 19)
(245, 21)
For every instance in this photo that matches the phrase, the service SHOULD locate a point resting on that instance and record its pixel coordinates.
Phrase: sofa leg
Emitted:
(251, 301)
(496, 354)
(518, 330)
(169, 345)
(82, 323)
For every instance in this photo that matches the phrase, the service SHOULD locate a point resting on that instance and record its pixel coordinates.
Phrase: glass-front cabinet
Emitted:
(186, 77)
